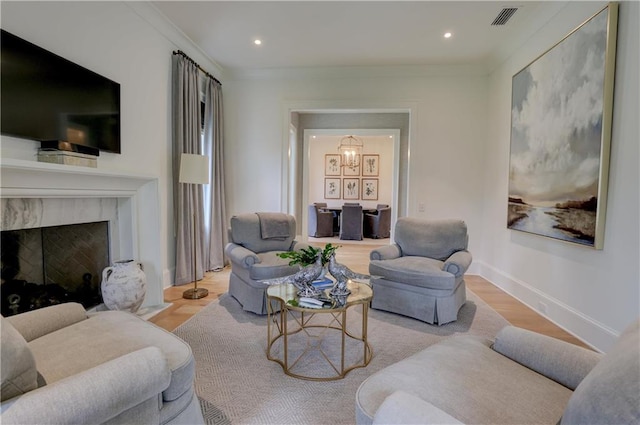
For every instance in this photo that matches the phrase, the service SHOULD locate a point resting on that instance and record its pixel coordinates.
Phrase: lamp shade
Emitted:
(194, 169)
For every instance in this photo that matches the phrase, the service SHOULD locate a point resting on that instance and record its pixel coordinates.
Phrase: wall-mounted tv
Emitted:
(51, 99)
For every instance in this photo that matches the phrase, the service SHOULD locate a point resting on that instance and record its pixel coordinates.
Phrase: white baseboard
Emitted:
(167, 278)
(588, 330)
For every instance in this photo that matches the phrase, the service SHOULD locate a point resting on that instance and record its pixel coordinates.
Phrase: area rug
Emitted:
(236, 384)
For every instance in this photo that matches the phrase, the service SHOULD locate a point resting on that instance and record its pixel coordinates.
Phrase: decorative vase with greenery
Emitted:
(307, 256)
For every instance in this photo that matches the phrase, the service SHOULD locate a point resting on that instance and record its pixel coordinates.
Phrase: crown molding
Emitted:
(150, 14)
(478, 69)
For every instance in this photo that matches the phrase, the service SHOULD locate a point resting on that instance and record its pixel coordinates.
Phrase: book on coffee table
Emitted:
(322, 283)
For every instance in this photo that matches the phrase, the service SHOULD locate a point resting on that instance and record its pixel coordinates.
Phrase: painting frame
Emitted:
(369, 189)
(332, 188)
(370, 165)
(332, 164)
(351, 188)
(561, 135)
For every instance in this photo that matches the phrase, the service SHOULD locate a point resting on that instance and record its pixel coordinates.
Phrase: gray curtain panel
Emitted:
(187, 198)
(213, 148)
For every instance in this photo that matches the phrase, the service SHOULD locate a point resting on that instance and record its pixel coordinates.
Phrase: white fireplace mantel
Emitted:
(138, 206)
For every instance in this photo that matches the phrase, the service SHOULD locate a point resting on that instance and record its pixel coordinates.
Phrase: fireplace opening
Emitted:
(53, 265)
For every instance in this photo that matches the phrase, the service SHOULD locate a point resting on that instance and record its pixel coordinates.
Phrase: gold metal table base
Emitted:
(315, 327)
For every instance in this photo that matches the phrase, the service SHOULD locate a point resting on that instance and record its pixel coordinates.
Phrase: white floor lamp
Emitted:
(194, 169)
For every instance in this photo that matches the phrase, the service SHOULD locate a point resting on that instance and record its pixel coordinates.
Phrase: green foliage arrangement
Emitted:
(307, 256)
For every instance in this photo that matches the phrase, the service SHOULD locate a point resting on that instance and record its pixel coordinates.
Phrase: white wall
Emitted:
(446, 144)
(117, 40)
(594, 294)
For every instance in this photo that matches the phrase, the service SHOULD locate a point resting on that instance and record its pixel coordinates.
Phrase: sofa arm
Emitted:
(386, 252)
(241, 255)
(458, 263)
(404, 408)
(95, 395)
(565, 363)
(43, 321)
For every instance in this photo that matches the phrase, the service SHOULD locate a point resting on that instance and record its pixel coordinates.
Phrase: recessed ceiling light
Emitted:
(257, 42)
(447, 35)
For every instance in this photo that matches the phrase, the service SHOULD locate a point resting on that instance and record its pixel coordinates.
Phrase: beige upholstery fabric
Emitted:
(565, 363)
(610, 394)
(95, 395)
(465, 378)
(111, 367)
(402, 408)
(108, 335)
(19, 374)
(34, 324)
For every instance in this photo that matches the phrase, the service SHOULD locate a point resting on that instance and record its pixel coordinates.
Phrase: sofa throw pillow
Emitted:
(610, 393)
(18, 369)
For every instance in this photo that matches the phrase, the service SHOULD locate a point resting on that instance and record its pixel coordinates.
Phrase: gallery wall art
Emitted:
(561, 113)
(349, 185)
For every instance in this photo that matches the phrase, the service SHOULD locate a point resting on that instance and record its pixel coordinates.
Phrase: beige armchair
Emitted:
(61, 365)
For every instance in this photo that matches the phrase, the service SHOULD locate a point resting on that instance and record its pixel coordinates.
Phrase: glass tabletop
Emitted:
(360, 292)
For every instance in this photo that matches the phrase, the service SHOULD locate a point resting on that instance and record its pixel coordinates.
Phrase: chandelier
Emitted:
(350, 149)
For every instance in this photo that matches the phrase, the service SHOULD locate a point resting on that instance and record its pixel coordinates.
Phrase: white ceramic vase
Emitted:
(124, 286)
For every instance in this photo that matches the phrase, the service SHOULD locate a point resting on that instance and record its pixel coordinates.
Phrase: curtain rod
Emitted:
(183, 54)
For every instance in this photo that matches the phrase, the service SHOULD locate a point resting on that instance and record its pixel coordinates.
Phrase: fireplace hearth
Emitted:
(51, 265)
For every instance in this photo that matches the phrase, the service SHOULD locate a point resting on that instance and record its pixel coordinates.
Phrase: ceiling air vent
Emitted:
(504, 15)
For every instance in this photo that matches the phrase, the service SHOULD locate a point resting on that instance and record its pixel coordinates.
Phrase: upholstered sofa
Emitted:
(253, 256)
(61, 365)
(519, 378)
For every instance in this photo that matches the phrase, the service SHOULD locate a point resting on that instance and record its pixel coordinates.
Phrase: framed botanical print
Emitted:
(350, 188)
(370, 165)
(332, 165)
(332, 188)
(369, 189)
(352, 171)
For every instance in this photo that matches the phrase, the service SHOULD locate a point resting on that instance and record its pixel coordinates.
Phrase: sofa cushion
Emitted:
(271, 266)
(416, 271)
(402, 408)
(610, 393)
(18, 367)
(105, 336)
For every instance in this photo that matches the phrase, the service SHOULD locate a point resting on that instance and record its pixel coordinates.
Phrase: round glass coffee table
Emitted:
(318, 344)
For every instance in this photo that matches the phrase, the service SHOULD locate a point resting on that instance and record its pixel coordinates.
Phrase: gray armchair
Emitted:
(378, 225)
(62, 365)
(422, 274)
(351, 222)
(255, 239)
(320, 221)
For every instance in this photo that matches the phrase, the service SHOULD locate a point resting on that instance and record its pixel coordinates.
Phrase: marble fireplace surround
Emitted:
(35, 194)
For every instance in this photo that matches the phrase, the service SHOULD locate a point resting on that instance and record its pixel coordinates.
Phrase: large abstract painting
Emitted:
(561, 113)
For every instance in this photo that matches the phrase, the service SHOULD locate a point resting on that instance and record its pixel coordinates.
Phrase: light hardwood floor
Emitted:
(356, 257)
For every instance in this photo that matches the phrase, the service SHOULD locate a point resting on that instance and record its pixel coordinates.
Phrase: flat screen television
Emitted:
(48, 98)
